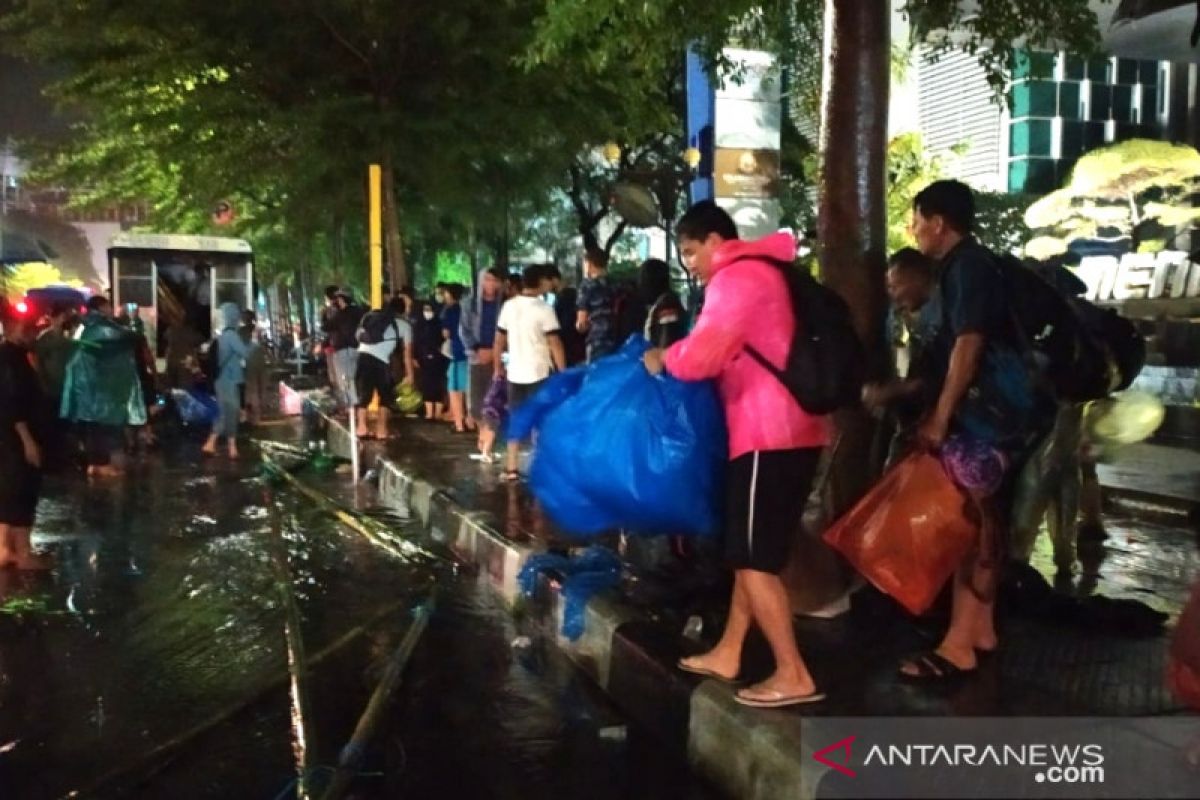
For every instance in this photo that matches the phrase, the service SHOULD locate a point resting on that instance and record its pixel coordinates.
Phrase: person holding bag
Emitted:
(774, 443)
(988, 417)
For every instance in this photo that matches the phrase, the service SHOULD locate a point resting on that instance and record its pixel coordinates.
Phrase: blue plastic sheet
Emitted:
(196, 407)
(585, 575)
(620, 448)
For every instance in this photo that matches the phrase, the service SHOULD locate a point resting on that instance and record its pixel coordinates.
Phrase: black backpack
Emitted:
(1084, 352)
(374, 327)
(825, 363)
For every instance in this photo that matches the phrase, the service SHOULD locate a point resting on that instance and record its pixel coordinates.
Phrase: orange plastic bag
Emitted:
(1183, 667)
(909, 533)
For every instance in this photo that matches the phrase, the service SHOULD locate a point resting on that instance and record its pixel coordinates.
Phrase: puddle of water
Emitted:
(166, 609)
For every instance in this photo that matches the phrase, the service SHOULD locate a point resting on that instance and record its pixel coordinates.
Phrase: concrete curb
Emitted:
(621, 652)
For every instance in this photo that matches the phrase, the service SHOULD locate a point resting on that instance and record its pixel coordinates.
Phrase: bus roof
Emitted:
(178, 241)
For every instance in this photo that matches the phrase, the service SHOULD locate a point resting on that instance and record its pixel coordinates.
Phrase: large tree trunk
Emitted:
(852, 237)
(393, 245)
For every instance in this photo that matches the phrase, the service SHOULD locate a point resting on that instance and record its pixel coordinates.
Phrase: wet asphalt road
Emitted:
(169, 607)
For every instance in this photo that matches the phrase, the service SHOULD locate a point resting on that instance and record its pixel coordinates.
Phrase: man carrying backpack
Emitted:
(989, 413)
(774, 443)
(379, 334)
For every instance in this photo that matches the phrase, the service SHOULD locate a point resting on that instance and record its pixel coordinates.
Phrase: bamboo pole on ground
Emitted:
(351, 757)
(229, 712)
(298, 668)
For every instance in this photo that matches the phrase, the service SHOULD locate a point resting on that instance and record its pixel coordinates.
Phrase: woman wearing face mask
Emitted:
(432, 365)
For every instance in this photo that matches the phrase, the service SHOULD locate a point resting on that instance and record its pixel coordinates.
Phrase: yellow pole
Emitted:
(375, 181)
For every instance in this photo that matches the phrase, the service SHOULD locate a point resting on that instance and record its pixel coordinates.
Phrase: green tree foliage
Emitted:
(278, 106)
(1000, 221)
(1132, 189)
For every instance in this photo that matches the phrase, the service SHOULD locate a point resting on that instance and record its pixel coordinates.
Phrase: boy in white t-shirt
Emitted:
(528, 331)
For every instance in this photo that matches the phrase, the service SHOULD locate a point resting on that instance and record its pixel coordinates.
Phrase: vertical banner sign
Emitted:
(747, 123)
(700, 102)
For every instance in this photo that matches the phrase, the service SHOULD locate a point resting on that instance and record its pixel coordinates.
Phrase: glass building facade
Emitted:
(1061, 106)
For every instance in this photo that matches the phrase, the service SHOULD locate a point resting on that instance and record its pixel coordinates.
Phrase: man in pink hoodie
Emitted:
(774, 445)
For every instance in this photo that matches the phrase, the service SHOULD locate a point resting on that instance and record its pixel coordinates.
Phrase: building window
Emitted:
(1068, 101)
(1148, 72)
(1100, 102)
(1075, 68)
(1034, 99)
(1032, 175)
(1127, 71)
(1031, 137)
(1100, 70)
(1028, 64)
(1122, 104)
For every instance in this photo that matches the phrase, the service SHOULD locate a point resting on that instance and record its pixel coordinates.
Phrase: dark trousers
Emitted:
(100, 441)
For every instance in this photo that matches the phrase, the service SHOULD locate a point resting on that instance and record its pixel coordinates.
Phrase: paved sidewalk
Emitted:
(1068, 666)
(1063, 653)
(1156, 475)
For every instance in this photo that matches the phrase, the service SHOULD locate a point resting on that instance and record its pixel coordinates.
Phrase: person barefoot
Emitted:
(21, 402)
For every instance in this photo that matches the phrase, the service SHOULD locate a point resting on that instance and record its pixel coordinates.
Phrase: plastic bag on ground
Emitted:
(585, 574)
(909, 533)
(626, 449)
(1183, 666)
(196, 407)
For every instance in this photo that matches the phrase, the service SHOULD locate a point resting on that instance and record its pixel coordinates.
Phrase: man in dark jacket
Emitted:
(343, 341)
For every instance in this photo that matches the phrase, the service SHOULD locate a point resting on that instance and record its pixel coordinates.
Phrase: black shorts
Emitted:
(519, 393)
(20, 487)
(766, 493)
(371, 376)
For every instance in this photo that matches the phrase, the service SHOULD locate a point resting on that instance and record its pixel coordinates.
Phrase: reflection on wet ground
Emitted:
(166, 625)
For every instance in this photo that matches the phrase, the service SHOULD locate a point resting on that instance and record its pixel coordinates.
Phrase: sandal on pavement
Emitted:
(510, 476)
(770, 698)
(704, 672)
(932, 668)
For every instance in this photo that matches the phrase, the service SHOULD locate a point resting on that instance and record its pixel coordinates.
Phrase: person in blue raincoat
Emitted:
(102, 391)
(230, 366)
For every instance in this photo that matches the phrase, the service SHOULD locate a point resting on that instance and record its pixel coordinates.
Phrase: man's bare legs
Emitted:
(20, 551)
(972, 615)
(772, 612)
(759, 598)
(458, 412)
(381, 423)
(487, 440)
(725, 659)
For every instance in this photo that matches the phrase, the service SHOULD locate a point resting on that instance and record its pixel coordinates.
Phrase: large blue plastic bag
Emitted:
(631, 450)
(557, 389)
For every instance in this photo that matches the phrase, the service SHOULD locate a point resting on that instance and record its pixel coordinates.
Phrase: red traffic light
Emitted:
(22, 307)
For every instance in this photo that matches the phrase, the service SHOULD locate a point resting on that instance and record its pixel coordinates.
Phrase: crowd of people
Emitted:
(965, 391)
(80, 391)
(499, 339)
